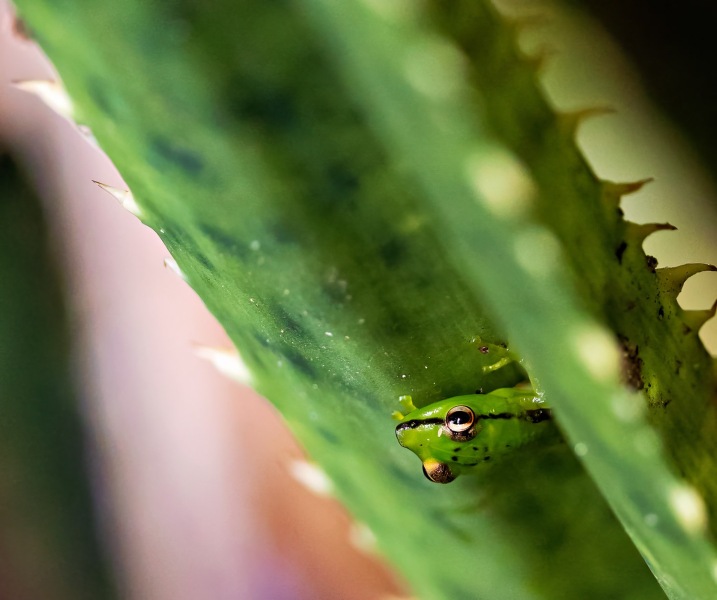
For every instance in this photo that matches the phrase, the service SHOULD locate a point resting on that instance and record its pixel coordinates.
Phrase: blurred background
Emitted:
(125, 475)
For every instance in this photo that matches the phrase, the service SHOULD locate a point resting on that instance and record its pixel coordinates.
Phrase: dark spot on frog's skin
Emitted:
(457, 449)
(651, 262)
(620, 212)
(184, 158)
(661, 313)
(486, 458)
(620, 250)
(686, 329)
(475, 448)
(479, 391)
(454, 458)
(484, 349)
(678, 367)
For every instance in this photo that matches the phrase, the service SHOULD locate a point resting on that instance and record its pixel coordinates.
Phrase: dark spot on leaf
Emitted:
(98, 92)
(20, 29)
(342, 179)
(260, 338)
(661, 313)
(184, 158)
(392, 252)
(620, 250)
(300, 362)
(262, 104)
(229, 243)
(283, 234)
(202, 259)
(329, 436)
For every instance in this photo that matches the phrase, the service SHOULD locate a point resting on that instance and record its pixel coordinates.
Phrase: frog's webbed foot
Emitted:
(407, 406)
(499, 353)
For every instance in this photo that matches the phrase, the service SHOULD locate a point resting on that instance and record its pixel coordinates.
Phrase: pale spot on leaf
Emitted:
(689, 508)
(312, 477)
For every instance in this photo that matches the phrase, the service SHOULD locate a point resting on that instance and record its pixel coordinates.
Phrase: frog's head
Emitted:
(442, 436)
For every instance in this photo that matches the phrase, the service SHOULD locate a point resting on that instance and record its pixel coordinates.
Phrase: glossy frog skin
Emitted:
(454, 436)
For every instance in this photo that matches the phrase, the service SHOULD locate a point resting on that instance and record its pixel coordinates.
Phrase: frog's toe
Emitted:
(437, 472)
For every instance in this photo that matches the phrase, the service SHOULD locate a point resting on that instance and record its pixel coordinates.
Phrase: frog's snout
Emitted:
(437, 472)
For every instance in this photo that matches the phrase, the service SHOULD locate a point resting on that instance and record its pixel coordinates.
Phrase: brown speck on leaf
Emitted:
(631, 364)
(20, 29)
(620, 250)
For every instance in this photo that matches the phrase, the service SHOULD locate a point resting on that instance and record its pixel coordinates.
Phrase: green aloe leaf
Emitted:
(366, 194)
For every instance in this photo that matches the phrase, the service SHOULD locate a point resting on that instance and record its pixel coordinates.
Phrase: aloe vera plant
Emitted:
(372, 198)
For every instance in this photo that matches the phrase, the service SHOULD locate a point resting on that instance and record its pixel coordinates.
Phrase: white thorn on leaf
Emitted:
(124, 197)
(312, 477)
(88, 135)
(362, 538)
(172, 265)
(50, 92)
(226, 361)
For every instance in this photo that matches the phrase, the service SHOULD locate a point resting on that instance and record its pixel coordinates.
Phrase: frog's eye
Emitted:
(460, 419)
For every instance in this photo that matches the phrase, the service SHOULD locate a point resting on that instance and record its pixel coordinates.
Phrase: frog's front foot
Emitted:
(407, 407)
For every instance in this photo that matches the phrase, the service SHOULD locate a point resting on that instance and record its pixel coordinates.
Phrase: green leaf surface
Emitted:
(358, 212)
